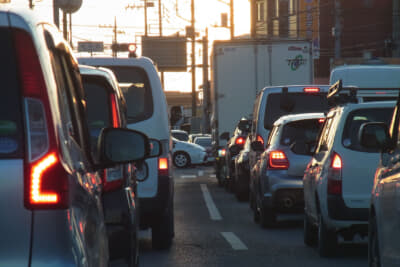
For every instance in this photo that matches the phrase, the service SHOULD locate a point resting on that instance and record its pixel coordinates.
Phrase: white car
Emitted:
(185, 153)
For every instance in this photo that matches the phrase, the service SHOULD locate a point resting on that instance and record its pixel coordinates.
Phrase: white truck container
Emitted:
(241, 68)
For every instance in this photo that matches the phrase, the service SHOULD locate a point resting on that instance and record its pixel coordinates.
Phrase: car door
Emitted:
(389, 200)
(86, 214)
(313, 172)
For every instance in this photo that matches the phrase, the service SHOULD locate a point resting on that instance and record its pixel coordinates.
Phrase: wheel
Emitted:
(310, 233)
(163, 231)
(327, 239)
(373, 244)
(267, 217)
(181, 159)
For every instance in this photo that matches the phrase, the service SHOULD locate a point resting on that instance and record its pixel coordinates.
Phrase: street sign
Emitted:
(90, 47)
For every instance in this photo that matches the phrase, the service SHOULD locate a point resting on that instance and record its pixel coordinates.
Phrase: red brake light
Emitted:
(114, 111)
(335, 175)
(163, 168)
(278, 160)
(46, 180)
(336, 162)
(311, 90)
(221, 152)
(259, 138)
(321, 120)
(239, 141)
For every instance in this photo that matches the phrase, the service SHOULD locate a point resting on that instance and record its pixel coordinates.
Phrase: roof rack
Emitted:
(336, 96)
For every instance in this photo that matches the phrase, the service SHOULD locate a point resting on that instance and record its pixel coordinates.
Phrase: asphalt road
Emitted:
(213, 229)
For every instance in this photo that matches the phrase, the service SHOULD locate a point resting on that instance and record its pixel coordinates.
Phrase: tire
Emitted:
(327, 239)
(181, 159)
(373, 244)
(163, 232)
(310, 232)
(267, 217)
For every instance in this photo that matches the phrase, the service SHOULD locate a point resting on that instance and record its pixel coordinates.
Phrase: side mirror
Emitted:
(117, 145)
(234, 150)
(155, 148)
(225, 136)
(375, 136)
(257, 146)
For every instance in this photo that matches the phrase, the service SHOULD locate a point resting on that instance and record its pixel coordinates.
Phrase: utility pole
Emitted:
(145, 17)
(232, 19)
(31, 4)
(115, 37)
(65, 26)
(160, 30)
(206, 89)
(56, 14)
(70, 30)
(396, 29)
(338, 30)
(193, 62)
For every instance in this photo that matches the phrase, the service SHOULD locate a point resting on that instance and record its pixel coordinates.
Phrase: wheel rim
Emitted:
(180, 160)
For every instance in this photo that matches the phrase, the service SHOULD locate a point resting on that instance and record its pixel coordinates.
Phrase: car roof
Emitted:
(371, 104)
(298, 117)
(112, 61)
(294, 88)
(178, 131)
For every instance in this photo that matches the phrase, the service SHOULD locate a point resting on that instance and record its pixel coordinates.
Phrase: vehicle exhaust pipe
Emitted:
(288, 202)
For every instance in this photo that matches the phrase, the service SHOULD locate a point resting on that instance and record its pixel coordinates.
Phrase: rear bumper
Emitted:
(283, 193)
(152, 209)
(337, 210)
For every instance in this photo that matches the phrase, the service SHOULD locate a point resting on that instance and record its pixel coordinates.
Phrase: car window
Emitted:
(97, 106)
(299, 103)
(272, 135)
(301, 133)
(11, 126)
(203, 142)
(357, 118)
(324, 137)
(180, 136)
(136, 88)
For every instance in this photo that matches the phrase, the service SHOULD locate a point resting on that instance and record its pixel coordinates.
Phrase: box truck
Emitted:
(241, 68)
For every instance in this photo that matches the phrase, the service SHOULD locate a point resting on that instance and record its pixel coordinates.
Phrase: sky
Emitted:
(94, 21)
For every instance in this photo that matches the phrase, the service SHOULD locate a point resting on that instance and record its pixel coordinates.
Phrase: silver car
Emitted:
(276, 184)
(49, 187)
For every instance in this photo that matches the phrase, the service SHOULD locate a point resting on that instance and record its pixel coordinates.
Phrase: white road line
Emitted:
(200, 173)
(212, 209)
(190, 176)
(234, 241)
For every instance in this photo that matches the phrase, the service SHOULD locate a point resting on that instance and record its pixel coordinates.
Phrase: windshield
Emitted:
(136, 88)
(278, 105)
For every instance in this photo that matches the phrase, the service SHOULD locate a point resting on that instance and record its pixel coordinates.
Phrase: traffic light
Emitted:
(124, 47)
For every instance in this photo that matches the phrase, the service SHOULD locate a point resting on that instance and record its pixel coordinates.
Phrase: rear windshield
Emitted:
(301, 134)
(358, 117)
(204, 142)
(292, 103)
(98, 106)
(136, 88)
(11, 126)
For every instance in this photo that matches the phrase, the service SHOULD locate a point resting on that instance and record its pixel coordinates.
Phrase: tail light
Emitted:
(335, 175)
(45, 179)
(114, 111)
(277, 160)
(163, 168)
(321, 120)
(221, 152)
(311, 90)
(259, 138)
(239, 141)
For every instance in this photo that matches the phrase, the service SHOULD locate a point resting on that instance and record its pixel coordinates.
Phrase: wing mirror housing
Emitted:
(257, 146)
(375, 136)
(119, 146)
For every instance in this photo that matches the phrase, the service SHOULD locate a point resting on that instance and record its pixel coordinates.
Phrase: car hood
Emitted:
(187, 146)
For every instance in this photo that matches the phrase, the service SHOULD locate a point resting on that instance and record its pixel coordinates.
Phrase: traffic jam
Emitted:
(101, 167)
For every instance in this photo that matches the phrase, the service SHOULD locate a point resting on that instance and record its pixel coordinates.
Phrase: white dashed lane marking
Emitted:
(212, 209)
(188, 176)
(234, 241)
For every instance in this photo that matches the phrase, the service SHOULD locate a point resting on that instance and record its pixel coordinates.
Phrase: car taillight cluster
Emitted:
(239, 141)
(277, 160)
(45, 179)
(163, 168)
(335, 175)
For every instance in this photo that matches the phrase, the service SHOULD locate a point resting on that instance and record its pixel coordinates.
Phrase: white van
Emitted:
(369, 77)
(147, 112)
